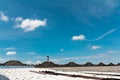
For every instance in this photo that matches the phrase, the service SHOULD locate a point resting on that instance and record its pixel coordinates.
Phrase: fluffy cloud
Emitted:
(11, 53)
(95, 47)
(19, 19)
(80, 37)
(30, 24)
(3, 17)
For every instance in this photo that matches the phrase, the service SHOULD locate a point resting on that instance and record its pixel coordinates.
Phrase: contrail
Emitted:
(105, 34)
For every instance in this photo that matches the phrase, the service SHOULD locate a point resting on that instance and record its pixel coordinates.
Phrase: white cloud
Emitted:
(2, 60)
(30, 24)
(105, 56)
(3, 17)
(31, 62)
(38, 62)
(80, 37)
(111, 51)
(40, 57)
(95, 47)
(9, 49)
(11, 53)
(32, 53)
(19, 19)
(106, 8)
(61, 50)
(28, 62)
(111, 3)
(101, 55)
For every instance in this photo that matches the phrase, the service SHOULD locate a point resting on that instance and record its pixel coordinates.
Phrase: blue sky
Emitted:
(74, 30)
